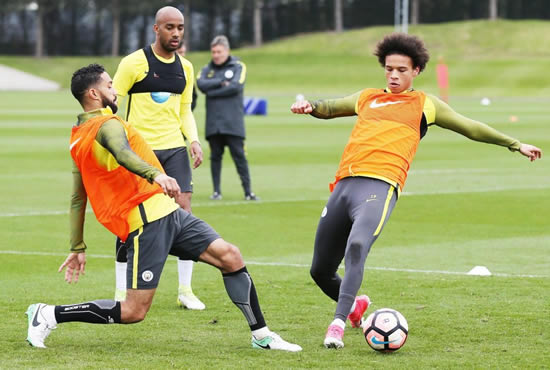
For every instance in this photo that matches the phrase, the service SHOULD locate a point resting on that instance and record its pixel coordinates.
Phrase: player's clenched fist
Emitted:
(301, 107)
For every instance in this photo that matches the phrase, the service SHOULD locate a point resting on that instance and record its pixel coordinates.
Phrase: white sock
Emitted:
(48, 314)
(185, 272)
(120, 275)
(338, 322)
(261, 333)
(352, 307)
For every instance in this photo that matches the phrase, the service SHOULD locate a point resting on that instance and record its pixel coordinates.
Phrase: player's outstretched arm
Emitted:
(329, 108)
(446, 117)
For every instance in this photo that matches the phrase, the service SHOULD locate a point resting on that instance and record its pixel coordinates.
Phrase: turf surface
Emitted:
(465, 204)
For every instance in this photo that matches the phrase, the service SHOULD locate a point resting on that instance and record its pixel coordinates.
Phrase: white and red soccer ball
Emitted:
(386, 330)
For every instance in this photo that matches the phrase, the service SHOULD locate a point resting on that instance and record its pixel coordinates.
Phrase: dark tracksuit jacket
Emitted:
(224, 104)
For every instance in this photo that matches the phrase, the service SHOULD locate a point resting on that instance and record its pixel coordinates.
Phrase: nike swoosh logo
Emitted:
(376, 341)
(370, 200)
(374, 104)
(264, 347)
(34, 320)
(74, 143)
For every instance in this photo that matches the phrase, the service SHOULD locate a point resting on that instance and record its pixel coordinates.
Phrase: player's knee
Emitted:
(356, 252)
(318, 275)
(141, 314)
(232, 259)
(132, 314)
(184, 201)
(136, 317)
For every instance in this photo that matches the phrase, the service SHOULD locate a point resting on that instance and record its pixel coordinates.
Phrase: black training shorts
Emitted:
(180, 234)
(175, 163)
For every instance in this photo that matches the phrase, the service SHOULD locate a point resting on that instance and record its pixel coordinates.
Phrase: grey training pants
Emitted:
(350, 223)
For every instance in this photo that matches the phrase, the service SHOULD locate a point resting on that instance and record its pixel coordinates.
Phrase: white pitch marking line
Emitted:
(283, 264)
(240, 202)
(34, 213)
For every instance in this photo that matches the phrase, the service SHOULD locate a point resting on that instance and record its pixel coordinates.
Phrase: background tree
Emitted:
(188, 24)
(115, 43)
(44, 7)
(493, 8)
(258, 6)
(415, 11)
(338, 16)
(115, 27)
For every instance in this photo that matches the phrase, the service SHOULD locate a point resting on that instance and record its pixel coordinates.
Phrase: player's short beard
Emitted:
(109, 103)
(166, 46)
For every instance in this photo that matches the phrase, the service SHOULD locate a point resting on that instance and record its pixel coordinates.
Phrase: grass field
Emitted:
(465, 204)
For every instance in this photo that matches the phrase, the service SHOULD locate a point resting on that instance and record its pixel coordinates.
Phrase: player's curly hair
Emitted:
(84, 78)
(403, 44)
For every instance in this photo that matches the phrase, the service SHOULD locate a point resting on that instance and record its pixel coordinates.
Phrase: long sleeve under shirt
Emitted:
(111, 149)
(442, 115)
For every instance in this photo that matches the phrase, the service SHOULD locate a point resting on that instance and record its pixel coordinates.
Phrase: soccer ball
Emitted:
(386, 330)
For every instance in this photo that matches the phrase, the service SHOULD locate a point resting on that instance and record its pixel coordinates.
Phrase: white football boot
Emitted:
(188, 300)
(274, 341)
(39, 329)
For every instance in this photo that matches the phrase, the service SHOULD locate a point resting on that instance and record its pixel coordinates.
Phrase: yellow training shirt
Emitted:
(159, 99)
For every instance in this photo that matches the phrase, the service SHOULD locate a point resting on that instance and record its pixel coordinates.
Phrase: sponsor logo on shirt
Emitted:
(160, 96)
(375, 105)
